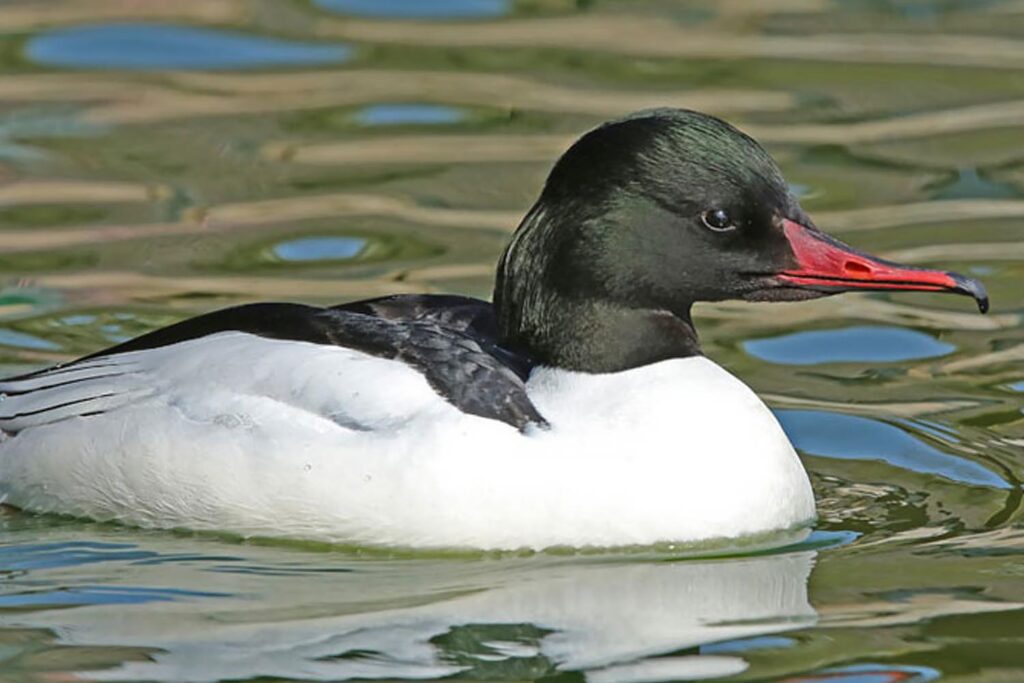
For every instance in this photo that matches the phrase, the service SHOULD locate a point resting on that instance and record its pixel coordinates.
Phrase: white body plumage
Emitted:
(238, 433)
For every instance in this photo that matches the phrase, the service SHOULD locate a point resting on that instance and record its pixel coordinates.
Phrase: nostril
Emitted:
(857, 268)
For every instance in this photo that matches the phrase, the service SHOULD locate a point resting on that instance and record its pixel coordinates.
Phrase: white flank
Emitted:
(254, 436)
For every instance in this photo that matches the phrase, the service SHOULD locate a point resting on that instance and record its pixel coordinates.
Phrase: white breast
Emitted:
(288, 439)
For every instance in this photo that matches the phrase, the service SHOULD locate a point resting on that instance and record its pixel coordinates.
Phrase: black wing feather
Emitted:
(451, 340)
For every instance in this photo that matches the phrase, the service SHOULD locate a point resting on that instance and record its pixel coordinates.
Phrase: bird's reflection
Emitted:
(607, 620)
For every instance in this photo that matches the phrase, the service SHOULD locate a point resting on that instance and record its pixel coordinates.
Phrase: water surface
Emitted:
(164, 46)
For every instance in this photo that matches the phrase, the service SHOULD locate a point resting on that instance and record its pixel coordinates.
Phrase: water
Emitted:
(331, 150)
(417, 9)
(161, 46)
(867, 344)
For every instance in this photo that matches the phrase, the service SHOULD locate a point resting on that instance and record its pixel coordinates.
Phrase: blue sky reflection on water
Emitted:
(862, 344)
(418, 9)
(834, 435)
(150, 47)
(748, 644)
(408, 114)
(25, 341)
(308, 249)
(98, 595)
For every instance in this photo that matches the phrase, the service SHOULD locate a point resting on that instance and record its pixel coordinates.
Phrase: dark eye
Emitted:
(718, 220)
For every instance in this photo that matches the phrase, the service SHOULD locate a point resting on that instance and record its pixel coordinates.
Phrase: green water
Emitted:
(322, 151)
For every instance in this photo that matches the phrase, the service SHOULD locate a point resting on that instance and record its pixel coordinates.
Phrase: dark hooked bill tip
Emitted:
(971, 287)
(825, 264)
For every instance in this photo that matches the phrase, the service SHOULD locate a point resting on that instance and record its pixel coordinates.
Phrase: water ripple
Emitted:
(865, 344)
(147, 47)
(851, 437)
(417, 9)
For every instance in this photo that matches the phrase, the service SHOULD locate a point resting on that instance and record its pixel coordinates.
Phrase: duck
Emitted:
(574, 410)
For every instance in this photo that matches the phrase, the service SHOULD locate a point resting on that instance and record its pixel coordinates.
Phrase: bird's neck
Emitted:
(598, 338)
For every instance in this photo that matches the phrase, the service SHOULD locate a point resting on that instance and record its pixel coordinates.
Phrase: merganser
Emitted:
(576, 410)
